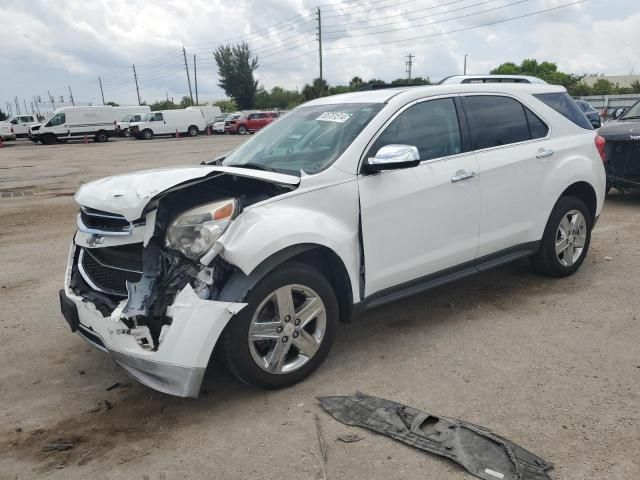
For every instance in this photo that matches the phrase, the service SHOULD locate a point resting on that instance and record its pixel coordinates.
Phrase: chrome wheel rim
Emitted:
(287, 329)
(571, 238)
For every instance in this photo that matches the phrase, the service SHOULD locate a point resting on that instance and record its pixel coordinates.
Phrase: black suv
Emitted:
(623, 150)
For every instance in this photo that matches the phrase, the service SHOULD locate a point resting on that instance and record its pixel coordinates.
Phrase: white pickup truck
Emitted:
(16, 126)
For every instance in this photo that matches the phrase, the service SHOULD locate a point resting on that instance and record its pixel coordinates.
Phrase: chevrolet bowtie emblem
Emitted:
(95, 240)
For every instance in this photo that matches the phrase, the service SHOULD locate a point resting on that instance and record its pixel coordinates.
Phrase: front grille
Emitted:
(108, 269)
(104, 221)
(623, 158)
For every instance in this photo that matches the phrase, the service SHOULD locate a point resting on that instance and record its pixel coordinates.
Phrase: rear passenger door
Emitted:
(421, 220)
(514, 158)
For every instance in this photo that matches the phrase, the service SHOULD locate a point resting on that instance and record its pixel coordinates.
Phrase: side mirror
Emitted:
(393, 157)
(617, 113)
(14, 122)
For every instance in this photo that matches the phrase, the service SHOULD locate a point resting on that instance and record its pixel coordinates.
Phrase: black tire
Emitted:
(242, 130)
(607, 188)
(547, 261)
(49, 139)
(235, 342)
(101, 137)
(126, 133)
(193, 131)
(146, 134)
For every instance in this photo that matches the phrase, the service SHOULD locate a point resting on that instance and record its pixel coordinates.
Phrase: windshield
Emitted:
(633, 112)
(308, 139)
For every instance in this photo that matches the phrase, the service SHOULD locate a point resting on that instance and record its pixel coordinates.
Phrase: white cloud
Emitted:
(46, 47)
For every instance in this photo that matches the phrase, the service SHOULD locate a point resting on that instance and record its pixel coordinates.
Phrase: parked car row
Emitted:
(243, 123)
(16, 126)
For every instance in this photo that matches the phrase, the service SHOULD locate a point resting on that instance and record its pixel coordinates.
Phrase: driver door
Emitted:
(422, 220)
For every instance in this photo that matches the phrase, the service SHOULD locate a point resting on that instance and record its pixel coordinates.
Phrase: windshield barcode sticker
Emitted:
(334, 117)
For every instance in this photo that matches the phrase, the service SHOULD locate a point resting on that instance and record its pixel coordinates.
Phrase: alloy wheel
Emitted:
(571, 238)
(287, 329)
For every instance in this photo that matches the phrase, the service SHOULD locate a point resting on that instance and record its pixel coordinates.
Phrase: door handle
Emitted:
(462, 175)
(544, 153)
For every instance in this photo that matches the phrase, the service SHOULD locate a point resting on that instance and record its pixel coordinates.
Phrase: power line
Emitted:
(462, 29)
(409, 19)
(438, 21)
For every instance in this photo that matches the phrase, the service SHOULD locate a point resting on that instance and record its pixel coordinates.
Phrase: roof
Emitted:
(383, 96)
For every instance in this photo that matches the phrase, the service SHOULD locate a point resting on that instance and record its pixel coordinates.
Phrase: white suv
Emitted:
(345, 203)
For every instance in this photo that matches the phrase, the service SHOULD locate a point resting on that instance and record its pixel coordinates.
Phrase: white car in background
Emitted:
(218, 124)
(345, 203)
(17, 126)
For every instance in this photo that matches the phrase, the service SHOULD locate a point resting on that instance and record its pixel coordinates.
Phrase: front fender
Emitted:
(327, 216)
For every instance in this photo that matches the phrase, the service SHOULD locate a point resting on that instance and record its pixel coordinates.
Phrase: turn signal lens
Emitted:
(601, 144)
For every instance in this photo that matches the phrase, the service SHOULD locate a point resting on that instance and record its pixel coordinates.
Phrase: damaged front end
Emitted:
(144, 272)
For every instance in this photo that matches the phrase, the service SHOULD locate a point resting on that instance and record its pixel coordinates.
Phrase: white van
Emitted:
(169, 122)
(98, 123)
(18, 125)
(208, 112)
(127, 115)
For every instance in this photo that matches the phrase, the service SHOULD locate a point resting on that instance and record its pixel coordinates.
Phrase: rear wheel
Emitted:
(101, 137)
(286, 330)
(147, 134)
(193, 131)
(566, 239)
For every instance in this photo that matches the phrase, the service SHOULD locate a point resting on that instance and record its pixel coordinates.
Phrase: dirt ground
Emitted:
(553, 365)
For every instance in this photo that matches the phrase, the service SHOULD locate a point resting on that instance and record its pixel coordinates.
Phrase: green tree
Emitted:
(235, 69)
(355, 84)
(581, 90)
(163, 105)
(635, 86)
(3, 116)
(113, 104)
(278, 98)
(318, 88)
(546, 71)
(602, 87)
(186, 102)
(227, 106)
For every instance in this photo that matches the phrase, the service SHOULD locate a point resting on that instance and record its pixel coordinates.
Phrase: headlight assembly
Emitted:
(196, 230)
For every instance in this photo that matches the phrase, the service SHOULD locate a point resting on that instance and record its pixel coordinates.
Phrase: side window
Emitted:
(253, 116)
(431, 126)
(565, 106)
(537, 128)
(495, 121)
(59, 119)
(157, 117)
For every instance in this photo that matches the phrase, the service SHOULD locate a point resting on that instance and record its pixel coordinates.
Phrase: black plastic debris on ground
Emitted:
(483, 453)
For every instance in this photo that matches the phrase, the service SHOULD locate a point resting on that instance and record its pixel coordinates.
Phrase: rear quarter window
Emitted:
(565, 106)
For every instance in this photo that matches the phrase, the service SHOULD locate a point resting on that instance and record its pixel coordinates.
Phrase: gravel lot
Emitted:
(553, 365)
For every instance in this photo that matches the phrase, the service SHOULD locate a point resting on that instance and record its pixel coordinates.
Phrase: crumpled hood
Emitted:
(130, 193)
(621, 131)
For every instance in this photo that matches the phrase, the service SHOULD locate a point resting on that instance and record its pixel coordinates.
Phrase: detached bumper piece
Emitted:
(481, 452)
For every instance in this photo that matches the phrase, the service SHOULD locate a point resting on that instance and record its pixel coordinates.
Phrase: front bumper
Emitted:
(177, 365)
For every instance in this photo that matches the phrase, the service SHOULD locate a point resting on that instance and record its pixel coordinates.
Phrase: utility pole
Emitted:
(135, 77)
(409, 64)
(186, 67)
(17, 106)
(71, 96)
(465, 64)
(53, 105)
(24, 102)
(195, 76)
(101, 90)
(320, 44)
(35, 100)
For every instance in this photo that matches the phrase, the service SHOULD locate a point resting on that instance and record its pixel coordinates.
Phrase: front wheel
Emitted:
(286, 330)
(126, 133)
(242, 130)
(566, 239)
(147, 134)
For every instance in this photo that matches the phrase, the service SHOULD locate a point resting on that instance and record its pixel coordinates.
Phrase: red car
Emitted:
(249, 123)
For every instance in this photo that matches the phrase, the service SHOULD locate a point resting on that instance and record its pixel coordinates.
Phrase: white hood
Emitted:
(129, 194)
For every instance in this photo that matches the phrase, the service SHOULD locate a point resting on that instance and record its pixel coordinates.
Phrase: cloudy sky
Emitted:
(51, 45)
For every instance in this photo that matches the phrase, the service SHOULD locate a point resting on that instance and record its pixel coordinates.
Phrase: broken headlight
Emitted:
(196, 230)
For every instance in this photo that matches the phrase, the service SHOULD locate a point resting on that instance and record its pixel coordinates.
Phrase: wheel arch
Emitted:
(585, 192)
(317, 256)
